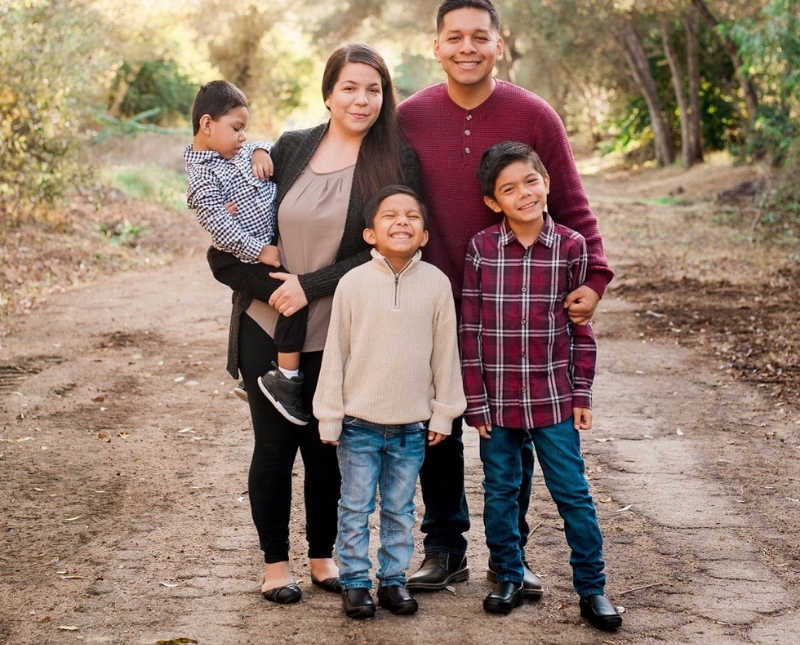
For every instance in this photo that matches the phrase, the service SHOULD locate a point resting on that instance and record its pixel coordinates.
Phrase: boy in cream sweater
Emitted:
(390, 378)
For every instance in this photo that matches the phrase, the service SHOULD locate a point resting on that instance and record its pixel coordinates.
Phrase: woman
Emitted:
(324, 175)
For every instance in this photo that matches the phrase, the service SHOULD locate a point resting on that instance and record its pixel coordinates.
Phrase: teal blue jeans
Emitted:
(377, 458)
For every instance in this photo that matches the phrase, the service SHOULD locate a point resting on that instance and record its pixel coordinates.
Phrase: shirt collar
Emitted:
(381, 261)
(191, 155)
(547, 235)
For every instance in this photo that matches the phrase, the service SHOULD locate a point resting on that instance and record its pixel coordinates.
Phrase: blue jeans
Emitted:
(505, 462)
(386, 458)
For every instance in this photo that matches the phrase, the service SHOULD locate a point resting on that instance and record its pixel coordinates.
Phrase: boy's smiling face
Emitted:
(398, 229)
(226, 133)
(520, 193)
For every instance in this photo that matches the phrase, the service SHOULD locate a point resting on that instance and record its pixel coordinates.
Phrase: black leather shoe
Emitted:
(285, 595)
(599, 611)
(437, 571)
(329, 584)
(397, 600)
(504, 598)
(358, 603)
(531, 584)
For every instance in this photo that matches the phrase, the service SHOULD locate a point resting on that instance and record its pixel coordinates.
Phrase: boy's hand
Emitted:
(270, 255)
(328, 442)
(581, 304)
(231, 208)
(435, 437)
(582, 418)
(262, 164)
(484, 431)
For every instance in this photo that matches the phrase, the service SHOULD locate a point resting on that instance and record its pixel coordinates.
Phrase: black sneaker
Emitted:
(240, 391)
(285, 394)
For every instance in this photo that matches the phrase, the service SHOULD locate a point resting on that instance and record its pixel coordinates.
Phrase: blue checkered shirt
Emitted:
(213, 181)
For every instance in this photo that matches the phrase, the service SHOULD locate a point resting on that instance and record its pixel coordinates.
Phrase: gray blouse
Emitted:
(311, 221)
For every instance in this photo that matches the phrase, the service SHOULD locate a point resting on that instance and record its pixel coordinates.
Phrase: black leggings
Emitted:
(276, 444)
(290, 332)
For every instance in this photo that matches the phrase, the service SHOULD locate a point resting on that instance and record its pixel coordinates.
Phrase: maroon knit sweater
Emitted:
(450, 140)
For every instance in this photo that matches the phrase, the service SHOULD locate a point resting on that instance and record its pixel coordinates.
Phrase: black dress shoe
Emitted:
(358, 603)
(599, 611)
(504, 598)
(437, 571)
(396, 599)
(285, 595)
(531, 584)
(329, 584)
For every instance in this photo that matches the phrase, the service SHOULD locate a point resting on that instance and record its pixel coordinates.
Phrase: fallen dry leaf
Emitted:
(68, 628)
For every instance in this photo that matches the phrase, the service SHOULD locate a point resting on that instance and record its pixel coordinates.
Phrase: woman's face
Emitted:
(356, 99)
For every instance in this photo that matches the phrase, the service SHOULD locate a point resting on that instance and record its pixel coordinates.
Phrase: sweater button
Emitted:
(467, 150)
(467, 132)
(469, 117)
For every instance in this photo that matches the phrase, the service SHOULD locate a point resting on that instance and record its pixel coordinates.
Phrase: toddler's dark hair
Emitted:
(502, 155)
(374, 202)
(216, 99)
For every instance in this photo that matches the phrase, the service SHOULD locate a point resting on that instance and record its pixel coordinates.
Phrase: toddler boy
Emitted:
(230, 191)
(390, 377)
(528, 374)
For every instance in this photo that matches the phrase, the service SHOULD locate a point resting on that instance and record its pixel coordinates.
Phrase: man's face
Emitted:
(468, 46)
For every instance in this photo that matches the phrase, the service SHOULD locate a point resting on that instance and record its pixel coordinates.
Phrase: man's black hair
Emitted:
(451, 5)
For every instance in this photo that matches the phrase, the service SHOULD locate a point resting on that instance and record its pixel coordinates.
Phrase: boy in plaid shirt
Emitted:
(234, 199)
(528, 374)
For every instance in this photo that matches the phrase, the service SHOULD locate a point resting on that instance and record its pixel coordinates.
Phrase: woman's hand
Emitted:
(262, 164)
(289, 298)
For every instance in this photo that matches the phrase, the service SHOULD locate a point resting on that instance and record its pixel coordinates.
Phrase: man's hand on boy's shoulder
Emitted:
(262, 164)
(582, 418)
(581, 304)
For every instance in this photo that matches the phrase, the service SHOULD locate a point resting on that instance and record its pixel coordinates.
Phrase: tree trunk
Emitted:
(691, 26)
(631, 44)
(676, 72)
(747, 85)
(507, 65)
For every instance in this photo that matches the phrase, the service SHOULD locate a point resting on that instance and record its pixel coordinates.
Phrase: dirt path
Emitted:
(125, 519)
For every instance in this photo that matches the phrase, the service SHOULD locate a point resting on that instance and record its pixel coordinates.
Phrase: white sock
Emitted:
(289, 373)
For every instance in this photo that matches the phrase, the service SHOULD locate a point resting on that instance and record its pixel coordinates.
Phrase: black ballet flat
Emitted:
(285, 595)
(331, 585)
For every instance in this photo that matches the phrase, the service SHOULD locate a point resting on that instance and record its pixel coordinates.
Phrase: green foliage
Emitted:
(155, 87)
(122, 232)
(49, 62)
(148, 183)
(770, 48)
(136, 124)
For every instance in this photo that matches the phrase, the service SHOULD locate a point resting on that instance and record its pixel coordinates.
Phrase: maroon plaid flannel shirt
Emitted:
(525, 365)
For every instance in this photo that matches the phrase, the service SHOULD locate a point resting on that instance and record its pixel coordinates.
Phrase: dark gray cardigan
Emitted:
(291, 154)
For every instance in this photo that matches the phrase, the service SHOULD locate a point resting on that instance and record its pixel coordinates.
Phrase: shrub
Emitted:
(48, 60)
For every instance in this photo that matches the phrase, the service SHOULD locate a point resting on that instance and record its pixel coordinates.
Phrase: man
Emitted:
(450, 125)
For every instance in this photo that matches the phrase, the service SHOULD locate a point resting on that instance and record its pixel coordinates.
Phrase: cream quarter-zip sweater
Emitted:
(391, 356)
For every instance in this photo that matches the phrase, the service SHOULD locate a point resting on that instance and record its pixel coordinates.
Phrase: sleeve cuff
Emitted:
(251, 250)
(441, 424)
(330, 430)
(582, 400)
(480, 418)
(598, 282)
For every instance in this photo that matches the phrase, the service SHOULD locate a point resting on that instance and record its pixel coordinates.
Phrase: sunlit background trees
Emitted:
(661, 81)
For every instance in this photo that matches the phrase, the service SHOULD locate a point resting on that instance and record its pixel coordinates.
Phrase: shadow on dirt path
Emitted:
(125, 516)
